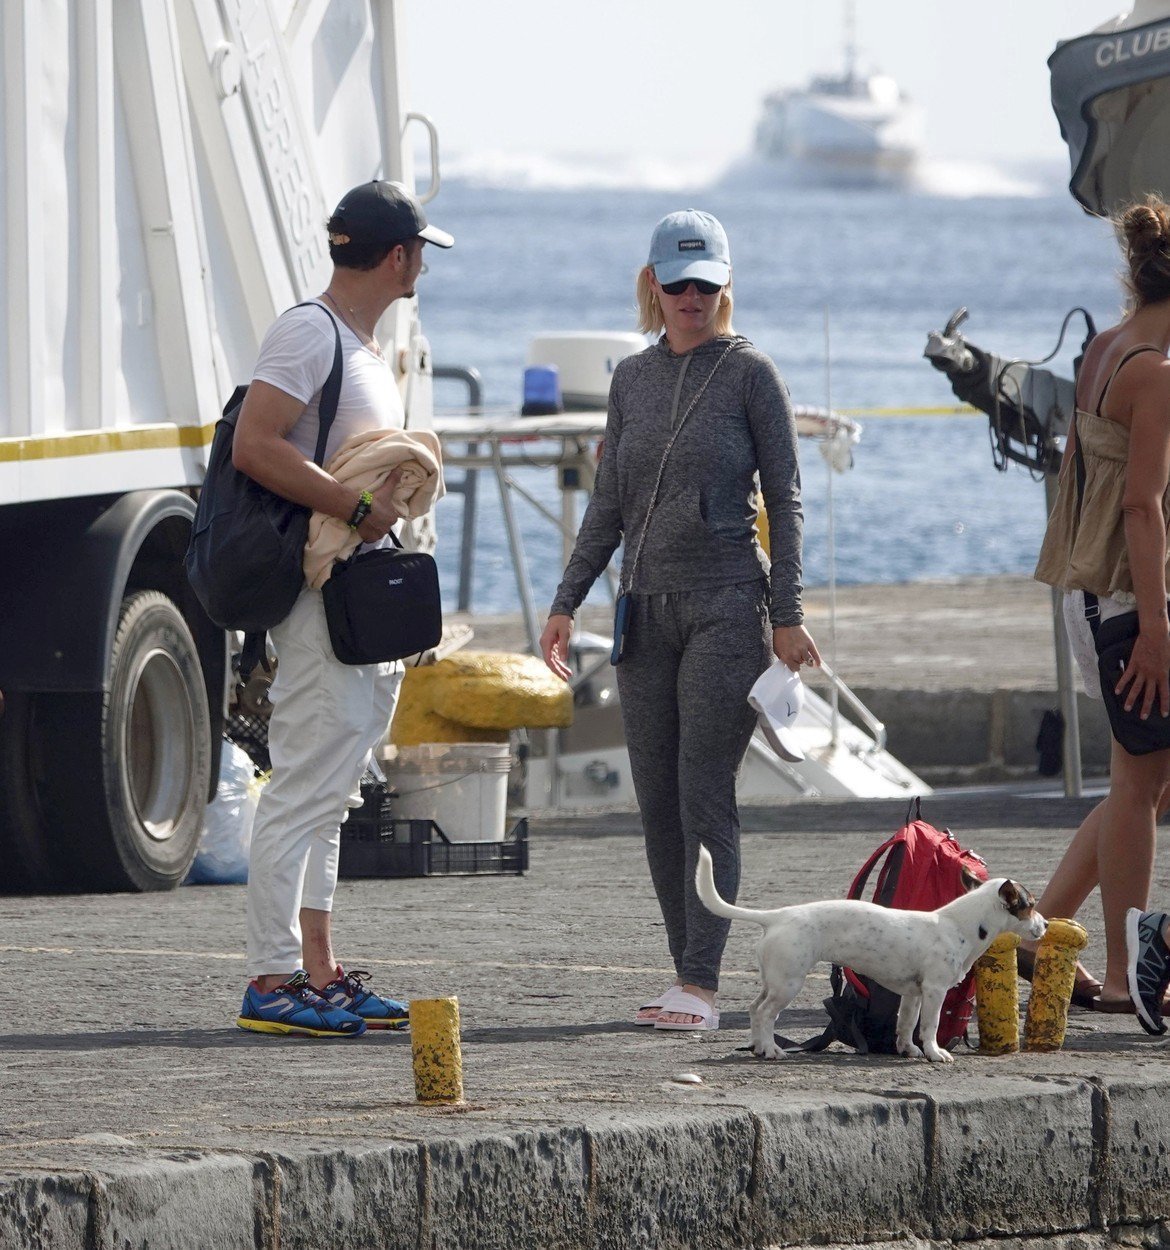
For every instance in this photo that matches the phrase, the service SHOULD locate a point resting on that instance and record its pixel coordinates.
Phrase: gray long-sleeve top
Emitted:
(701, 531)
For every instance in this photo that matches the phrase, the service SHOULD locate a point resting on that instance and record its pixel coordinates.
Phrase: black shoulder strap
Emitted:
(1129, 355)
(255, 649)
(1092, 609)
(331, 391)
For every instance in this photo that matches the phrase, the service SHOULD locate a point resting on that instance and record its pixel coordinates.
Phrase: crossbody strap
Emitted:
(1092, 607)
(331, 391)
(623, 587)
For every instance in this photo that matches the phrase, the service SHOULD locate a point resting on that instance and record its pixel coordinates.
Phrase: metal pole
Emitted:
(516, 547)
(467, 487)
(1065, 682)
(835, 723)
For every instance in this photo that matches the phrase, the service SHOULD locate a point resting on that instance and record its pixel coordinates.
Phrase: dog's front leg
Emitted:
(932, 1001)
(907, 1019)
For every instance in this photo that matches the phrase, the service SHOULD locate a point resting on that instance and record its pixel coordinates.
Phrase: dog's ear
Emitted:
(1016, 898)
(969, 879)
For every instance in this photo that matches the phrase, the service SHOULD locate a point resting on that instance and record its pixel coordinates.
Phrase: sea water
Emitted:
(840, 288)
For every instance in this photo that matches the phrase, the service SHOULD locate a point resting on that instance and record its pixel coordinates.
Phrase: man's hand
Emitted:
(383, 514)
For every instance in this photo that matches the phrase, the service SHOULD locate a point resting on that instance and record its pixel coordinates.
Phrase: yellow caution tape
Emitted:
(959, 410)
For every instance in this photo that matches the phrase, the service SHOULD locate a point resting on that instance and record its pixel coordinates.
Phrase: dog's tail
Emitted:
(709, 895)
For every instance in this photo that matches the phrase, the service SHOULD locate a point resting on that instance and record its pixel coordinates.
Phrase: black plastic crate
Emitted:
(376, 844)
(250, 733)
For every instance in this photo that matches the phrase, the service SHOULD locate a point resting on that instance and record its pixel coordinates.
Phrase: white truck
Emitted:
(167, 170)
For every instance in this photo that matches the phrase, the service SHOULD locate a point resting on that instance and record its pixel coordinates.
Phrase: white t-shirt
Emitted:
(297, 355)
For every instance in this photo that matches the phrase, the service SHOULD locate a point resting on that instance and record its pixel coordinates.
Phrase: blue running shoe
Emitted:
(347, 992)
(295, 1007)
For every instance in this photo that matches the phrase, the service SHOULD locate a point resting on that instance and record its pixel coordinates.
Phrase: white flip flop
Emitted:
(690, 1005)
(656, 1005)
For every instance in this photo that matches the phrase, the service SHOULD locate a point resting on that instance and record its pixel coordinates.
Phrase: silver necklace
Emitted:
(355, 325)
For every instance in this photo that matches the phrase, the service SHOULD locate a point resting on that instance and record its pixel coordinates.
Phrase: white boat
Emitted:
(847, 128)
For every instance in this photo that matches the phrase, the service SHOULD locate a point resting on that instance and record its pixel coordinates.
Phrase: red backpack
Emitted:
(921, 870)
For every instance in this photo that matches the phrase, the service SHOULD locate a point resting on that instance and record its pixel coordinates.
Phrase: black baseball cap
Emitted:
(383, 212)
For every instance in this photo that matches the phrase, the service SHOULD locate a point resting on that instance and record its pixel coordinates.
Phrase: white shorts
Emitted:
(1080, 633)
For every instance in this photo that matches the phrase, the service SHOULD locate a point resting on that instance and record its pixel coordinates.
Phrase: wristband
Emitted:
(364, 504)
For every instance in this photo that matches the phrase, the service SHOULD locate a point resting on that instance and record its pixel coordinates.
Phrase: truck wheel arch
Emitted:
(75, 565)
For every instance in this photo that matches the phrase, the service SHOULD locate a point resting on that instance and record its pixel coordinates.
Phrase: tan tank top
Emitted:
(1087, 551)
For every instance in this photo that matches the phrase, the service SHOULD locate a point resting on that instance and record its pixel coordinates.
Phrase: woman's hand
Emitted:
(794, 646)
(554, 644)
(1148, 673)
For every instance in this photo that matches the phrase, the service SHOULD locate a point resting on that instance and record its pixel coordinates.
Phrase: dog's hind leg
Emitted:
(908, 1012)
(775, 994)
(932, 1001)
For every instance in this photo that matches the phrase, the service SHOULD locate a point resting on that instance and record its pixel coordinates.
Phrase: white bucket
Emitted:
(461, 786)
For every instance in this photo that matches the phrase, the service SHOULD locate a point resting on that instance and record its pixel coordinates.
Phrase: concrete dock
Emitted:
(133, 1113)
(959, 671)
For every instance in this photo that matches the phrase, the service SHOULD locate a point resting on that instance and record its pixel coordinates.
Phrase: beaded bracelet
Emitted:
(364, 504)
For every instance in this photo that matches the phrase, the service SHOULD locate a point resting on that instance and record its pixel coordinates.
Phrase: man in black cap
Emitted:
(327, 717)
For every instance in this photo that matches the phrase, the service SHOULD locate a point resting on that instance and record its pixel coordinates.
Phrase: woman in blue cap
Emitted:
(693, 422)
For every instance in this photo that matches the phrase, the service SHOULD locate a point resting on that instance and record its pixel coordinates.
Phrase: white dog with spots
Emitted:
(917, 954)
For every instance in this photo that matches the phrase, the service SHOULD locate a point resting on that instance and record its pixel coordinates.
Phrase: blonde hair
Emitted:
(650, 319)
(1144, 229)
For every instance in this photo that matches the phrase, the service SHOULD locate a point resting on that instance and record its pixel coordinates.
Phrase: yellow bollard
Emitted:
(1052, 984)
(434, 1048)
(997, 999)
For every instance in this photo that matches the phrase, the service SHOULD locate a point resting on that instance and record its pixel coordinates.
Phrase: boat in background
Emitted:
(851, 128)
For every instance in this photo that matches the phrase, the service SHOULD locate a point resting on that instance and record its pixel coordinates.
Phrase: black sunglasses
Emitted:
(677, 288)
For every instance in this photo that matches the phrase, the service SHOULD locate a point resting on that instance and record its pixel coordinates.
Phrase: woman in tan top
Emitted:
(1117, 549)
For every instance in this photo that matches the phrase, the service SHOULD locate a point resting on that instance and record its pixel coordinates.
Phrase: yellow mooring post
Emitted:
(997, 997)
(1052, 984)
(434, 1047)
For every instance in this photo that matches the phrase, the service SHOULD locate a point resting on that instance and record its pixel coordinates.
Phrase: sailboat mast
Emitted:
(850, 39)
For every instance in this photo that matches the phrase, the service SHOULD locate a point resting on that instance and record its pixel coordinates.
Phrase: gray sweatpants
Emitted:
(690, 660)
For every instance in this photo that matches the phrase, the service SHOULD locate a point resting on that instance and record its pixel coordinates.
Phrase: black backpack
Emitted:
(245, 558)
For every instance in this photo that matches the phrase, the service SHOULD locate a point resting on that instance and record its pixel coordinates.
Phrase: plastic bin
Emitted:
(461, 786)
(374, 843)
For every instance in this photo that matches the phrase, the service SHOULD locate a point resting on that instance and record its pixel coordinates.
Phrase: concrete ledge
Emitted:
(999, 1157)
(813, 1152)
(956, 732)
(40, 1211)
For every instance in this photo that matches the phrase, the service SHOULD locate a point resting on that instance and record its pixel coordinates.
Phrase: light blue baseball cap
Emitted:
(690, 244)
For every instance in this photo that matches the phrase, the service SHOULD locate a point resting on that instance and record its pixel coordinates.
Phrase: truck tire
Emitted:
(125, 792)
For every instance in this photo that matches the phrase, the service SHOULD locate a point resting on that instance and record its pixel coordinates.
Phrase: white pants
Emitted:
(327, 717)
